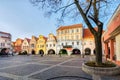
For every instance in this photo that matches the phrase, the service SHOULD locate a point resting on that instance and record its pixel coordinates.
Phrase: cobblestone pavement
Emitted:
(35, 67)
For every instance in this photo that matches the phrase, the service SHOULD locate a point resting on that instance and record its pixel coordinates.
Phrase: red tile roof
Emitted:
(70, 26)
(87, 34)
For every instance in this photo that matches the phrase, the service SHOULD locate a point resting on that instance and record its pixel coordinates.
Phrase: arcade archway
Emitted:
(63, 51)
(41, 52)
(87, 51)
(51, 51)
(33, 52)
(76, 51)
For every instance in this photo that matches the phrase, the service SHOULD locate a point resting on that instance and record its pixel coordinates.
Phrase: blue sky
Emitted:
(21, 19)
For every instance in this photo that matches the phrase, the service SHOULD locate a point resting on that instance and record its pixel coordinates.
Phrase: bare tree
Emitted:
(91, 11)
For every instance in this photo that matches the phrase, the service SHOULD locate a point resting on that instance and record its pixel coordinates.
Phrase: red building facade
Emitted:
(111, 38)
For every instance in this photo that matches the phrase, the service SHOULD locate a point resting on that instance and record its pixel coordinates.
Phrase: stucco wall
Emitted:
(118, 47)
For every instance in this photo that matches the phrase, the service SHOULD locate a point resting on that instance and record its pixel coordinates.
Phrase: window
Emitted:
(5, 40)
(65, 31)
(50, 45)
(68, 31)
(72, 43)
(62, 44)
(66, 43)
(61, 32)
(3, 44)
(54, 45)
(32, 45)
(8, 43)
(90, 43)
(77, 30)
(72, 31)
(77, 43)
(84, 43)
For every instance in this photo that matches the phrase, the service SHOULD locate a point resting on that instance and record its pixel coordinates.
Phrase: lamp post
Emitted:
(83, 49)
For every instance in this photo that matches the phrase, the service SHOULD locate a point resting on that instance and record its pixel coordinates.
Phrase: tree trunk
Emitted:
(97, 34)
(98, 49)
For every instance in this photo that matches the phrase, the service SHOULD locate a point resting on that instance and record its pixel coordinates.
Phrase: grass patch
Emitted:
(104, 65)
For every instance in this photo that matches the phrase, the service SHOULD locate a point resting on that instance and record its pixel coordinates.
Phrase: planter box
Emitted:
(100, 70)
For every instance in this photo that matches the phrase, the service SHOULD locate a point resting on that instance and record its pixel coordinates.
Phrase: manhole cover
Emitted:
(69, 78)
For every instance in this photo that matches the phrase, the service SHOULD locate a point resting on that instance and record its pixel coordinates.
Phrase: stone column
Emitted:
(106, 50)
(111, 49)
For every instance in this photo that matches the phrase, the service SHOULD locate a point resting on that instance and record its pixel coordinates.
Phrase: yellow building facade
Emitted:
(41, 45)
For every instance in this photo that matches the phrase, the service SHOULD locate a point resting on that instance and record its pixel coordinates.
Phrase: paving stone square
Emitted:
(35, 67)
(24, 69)
(60, 71)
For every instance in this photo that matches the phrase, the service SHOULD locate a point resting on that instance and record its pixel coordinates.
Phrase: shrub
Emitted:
(104, 65)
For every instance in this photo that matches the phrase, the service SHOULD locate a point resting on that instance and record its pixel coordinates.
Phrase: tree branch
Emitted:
(89, 7)
(63, 7)
(99, 24)
(93, 19)
(85, 18)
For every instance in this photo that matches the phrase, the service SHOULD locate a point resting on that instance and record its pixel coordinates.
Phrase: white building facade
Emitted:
(51, 44)
(5, 40)
(69, 38)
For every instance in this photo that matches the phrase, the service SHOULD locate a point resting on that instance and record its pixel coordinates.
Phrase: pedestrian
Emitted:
(42, 53)
(60, 53)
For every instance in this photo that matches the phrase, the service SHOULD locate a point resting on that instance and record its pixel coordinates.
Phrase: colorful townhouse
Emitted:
(41, 45)
(88, 43)
(111, 38)
(25, 45)
(51, 44)
(17, 45)
(5, 40)
(69, 38)
(32, 47)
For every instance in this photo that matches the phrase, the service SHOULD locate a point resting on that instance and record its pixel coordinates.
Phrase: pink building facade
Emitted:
(111, 38)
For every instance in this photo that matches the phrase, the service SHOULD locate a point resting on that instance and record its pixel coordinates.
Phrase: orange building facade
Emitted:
(17, 45)
(112, 38)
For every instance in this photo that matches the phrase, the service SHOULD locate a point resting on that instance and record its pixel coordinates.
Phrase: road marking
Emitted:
(47, 68)
(15, 77)
(16, 65)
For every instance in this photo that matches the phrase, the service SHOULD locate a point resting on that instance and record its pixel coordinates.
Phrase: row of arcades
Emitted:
(87, 51)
